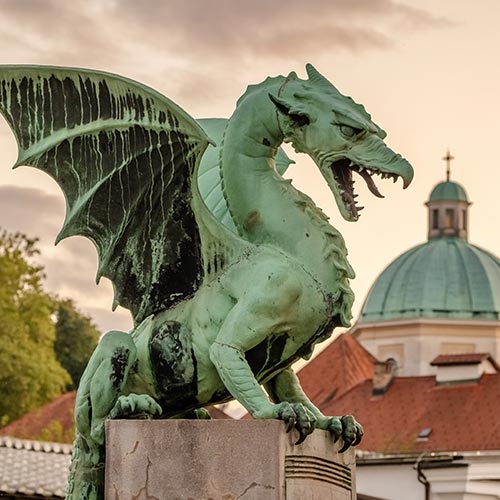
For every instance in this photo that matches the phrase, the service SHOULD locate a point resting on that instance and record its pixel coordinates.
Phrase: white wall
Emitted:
(475, 477)
(419, 350)
(389, 482)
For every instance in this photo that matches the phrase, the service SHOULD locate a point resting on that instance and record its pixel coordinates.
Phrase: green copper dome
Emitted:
(443, 278)
(448, 191)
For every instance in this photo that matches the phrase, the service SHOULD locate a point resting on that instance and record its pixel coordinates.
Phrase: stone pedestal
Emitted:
(223, 460)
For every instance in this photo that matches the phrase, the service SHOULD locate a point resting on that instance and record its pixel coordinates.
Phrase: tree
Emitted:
(56, 433)
(76, 339)
(30, 374)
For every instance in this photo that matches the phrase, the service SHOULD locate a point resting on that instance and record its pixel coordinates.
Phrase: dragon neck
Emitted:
(248, 149)
(265, 207)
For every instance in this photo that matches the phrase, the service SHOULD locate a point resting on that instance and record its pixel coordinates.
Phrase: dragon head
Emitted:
(340, 137)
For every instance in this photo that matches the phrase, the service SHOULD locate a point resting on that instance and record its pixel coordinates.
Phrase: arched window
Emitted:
(449, 218)
(435, 218)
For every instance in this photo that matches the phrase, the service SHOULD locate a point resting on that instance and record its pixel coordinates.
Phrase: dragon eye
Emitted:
(350, 131)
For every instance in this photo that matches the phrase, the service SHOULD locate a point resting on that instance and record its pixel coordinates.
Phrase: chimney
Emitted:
(384, 373)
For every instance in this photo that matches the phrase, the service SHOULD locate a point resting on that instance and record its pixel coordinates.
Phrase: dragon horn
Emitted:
(316, 77)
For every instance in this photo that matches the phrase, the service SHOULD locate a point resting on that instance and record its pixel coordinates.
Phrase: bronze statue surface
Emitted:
(231, 279)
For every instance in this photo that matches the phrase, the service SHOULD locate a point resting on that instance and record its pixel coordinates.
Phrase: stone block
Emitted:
(223, 460)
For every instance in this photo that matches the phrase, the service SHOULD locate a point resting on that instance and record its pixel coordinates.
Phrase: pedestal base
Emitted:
(223, 460)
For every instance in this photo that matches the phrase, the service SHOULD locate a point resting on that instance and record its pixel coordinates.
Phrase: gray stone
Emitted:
(223, 460)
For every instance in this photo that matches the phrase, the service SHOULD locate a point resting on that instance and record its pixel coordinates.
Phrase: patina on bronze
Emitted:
(225, 299)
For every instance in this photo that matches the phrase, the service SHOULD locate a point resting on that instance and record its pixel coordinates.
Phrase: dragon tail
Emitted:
(86, 474)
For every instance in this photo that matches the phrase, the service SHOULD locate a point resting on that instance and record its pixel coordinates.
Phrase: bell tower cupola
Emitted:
(448, 208)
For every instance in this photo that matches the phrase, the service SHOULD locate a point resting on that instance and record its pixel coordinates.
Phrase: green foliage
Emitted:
(76, 339)
(56, 433)
(53, 432)
(30, 374)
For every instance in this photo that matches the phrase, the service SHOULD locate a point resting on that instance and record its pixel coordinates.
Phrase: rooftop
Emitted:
(459, 417)
(39, 423)
(337, 369)
(448, 191)
(473, 358)
(33, 469)
(443, 278)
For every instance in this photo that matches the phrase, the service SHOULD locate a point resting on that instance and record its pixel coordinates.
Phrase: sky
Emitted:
(428, 71)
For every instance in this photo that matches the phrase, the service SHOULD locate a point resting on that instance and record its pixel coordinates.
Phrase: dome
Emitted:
(448, 191)
(443, 278)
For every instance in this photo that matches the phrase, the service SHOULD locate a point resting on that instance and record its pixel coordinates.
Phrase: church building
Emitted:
(439, 298)
(420, 368)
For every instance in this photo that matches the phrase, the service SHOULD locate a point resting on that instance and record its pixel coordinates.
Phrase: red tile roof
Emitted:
(33, 424)
(337, 369)
(462, 417)
(61, 410)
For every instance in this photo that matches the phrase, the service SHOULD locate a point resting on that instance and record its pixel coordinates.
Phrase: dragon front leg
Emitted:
(286, 387)
(240, 381)
(261, 312)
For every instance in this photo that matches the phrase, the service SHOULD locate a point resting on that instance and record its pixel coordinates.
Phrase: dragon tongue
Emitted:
(369, 182)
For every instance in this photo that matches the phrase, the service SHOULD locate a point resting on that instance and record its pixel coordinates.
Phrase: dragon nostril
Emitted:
(299, 120)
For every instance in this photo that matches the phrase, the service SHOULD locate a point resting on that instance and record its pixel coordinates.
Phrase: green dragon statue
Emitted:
(224, 298)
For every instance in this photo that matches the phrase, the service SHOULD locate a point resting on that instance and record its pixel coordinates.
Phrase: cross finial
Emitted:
(448, 159)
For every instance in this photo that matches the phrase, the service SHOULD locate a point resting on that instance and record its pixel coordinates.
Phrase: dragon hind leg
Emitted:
(101, 396)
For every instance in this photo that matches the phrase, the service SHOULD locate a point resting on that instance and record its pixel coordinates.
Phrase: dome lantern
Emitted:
(448, 208)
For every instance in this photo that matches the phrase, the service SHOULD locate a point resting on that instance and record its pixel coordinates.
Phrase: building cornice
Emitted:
(424, 321)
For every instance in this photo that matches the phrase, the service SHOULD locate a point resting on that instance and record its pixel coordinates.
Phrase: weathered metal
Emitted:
(220, 308)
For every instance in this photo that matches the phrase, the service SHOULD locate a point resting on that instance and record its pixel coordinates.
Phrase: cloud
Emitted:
(218, 36)
(261, 26)
(30, 211)
(70, 268)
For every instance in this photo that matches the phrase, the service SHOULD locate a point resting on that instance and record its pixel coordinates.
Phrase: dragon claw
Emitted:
(358, 438)
(352, 432)
(297, 416)
(134, 404)
(347, 444)
(302, 437)
(304, 431)
(335, 428)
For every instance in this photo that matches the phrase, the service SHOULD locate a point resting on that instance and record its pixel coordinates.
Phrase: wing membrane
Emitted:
(124, 156)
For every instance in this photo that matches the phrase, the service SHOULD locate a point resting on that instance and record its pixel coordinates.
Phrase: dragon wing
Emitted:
(124, 156)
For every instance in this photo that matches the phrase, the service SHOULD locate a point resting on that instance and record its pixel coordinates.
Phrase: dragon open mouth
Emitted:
(342, 172)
